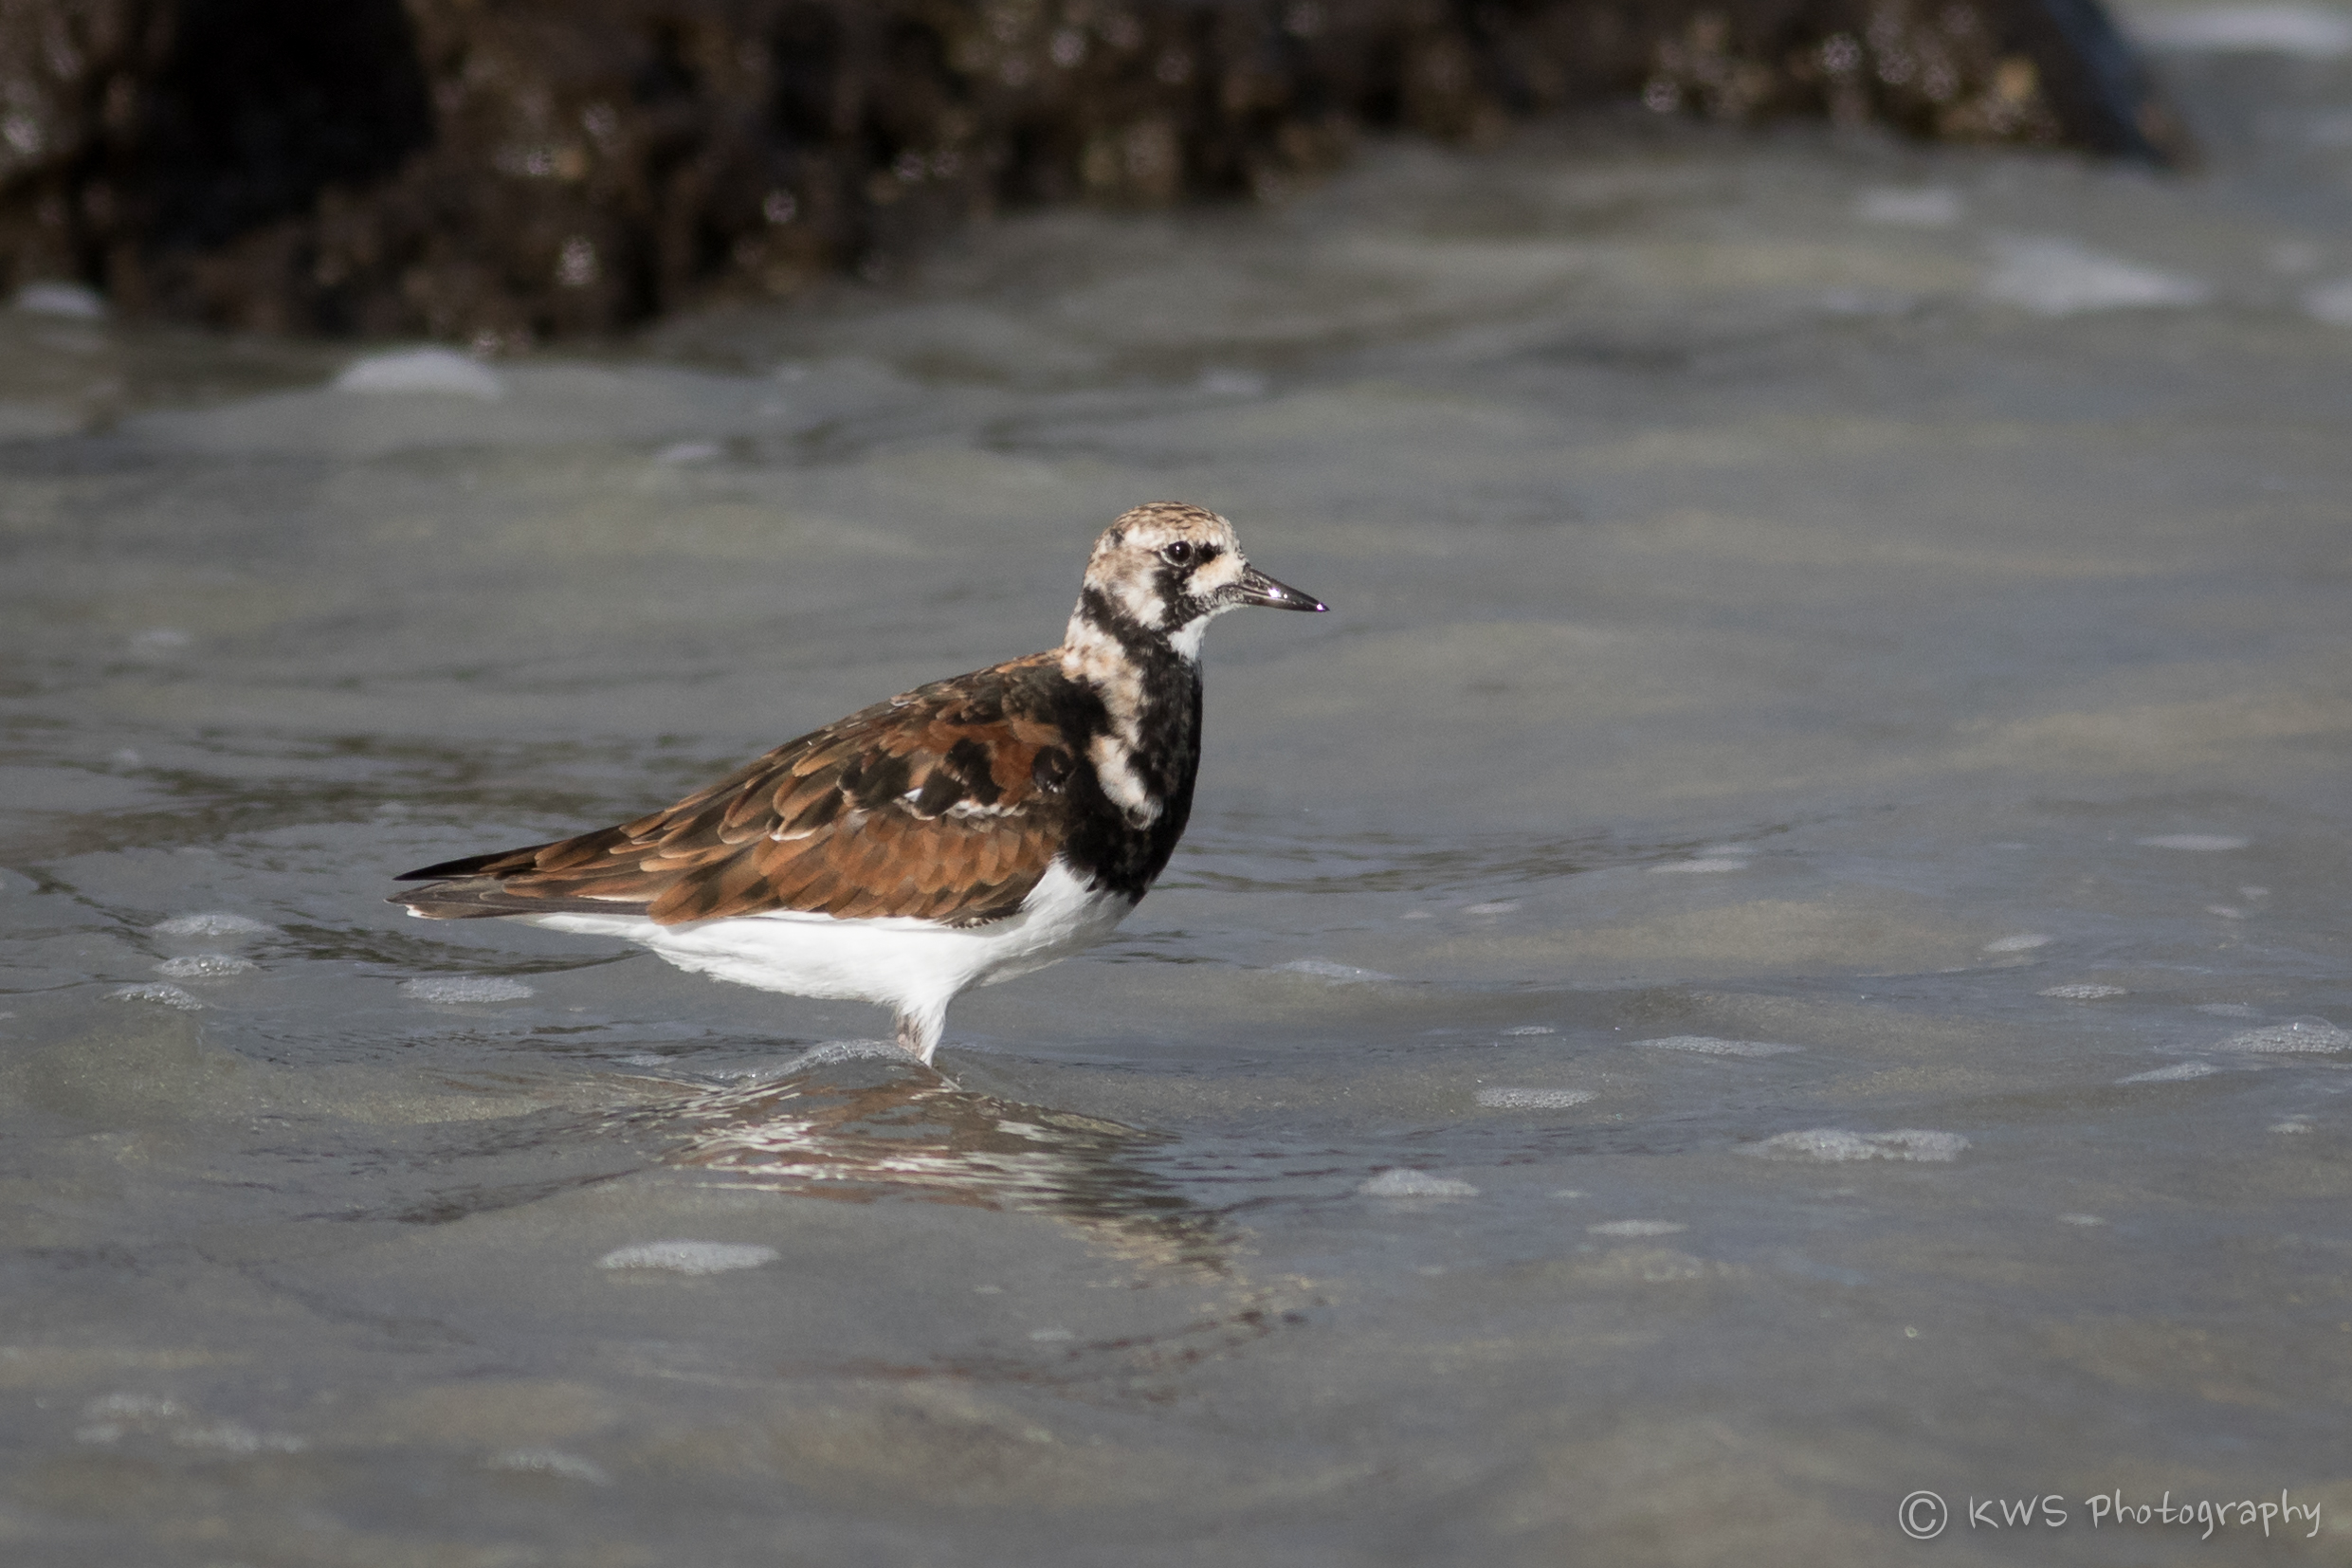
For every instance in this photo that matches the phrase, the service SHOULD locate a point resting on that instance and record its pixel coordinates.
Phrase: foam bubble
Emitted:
(1232, 383)
(2180, 1073)
(2082, 993)
(213, 923)
(134, 1407)
(204, 966)
(689, 1257)
(441, 372)
(1706, 1045)
(1323, 969)
(2024, 941)
(1532, 1099)
(74, 301)
(236, 1437)
(1637, 1227)
(2292, 1124)
(2297, 1034)
(1838, 1144)
(2308, 32)
(167, 996)
(2084, 1220)
(1501, 907)
(1929, 206)
(2229, 1010)
(1532, 1029)
(466, 988)
(2206, 843)
(1400, 1182)
(1710, 864)
(2330, 302)
(549, 1461)
(2055, 277)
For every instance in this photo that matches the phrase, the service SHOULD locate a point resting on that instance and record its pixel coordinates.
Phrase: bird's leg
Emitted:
(919, 1030)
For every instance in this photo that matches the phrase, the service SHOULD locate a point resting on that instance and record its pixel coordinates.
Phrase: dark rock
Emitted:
(500, 172)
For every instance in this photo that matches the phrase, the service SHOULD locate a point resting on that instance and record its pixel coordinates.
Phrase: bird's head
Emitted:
(1166, 569)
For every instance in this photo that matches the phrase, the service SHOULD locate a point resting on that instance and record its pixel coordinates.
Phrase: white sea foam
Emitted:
(689, 1257)
(2180, 1073)
(466, 988)
(2084, 1220)
(2082, 993)
(134, 1407)
(236, 1437)
(1636, 1228)
(1400, 1182)
(166, 995)
(2024, 941)
(74, 301)
(1532, 1099)
(110, 1416)
(2296, 1036)
(829, 1053)
(2229, 1010)
(1323, 969)
(1706, 1045)
(204, 966)
(1501, 907)
(1703, 866)
(1918, 207)
(2055, 277)
(1532, 1029)
(2292, 1124)
(214, 924)
(2206, 843)
(2308, 32)
(1838, 1144)
(550, 1462)
(433, 371)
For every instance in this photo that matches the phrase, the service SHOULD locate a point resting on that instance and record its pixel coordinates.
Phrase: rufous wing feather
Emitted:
(930, 805)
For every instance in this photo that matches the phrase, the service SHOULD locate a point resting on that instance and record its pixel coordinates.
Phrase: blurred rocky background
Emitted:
(497, 173)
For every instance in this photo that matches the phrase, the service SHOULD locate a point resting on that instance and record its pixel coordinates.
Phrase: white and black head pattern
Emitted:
(1162, 572)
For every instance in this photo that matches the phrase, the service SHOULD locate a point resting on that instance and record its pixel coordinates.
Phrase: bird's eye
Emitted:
(1179, 554)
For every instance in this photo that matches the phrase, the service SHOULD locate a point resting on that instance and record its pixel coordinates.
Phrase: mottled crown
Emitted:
(1161, 567)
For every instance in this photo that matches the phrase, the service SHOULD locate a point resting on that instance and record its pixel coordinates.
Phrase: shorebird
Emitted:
(958, 834)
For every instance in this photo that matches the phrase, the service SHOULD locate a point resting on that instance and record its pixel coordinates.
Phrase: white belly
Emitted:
(915, 966)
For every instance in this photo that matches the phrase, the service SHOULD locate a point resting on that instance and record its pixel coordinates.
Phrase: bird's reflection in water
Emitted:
(858, 1127)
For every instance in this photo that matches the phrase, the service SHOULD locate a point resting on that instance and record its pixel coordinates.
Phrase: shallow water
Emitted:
(1783, 947)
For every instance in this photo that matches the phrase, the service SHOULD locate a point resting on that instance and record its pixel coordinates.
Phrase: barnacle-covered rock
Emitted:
(501, 172)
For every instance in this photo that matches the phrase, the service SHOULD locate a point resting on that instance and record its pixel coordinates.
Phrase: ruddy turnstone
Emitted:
(958, 834)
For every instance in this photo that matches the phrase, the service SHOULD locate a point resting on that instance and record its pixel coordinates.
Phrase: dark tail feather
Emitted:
(477, 865)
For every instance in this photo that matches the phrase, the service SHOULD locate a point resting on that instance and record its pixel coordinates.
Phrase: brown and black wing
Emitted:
(946, 803)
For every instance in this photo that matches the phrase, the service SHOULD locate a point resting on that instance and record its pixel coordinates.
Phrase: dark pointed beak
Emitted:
(1257, 588)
